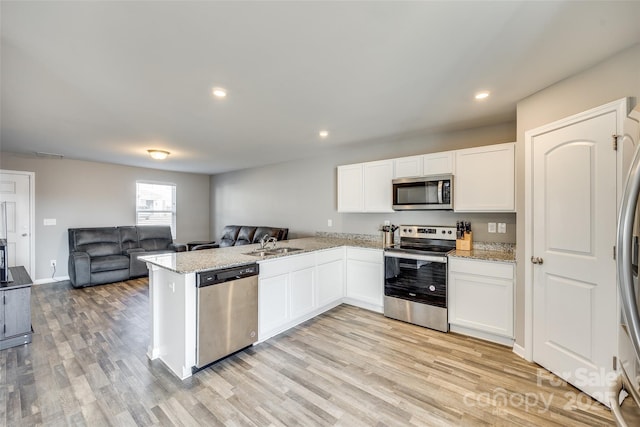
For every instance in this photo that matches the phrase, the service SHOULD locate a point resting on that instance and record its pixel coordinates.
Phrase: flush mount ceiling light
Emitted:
(219, 92)
(158, 154)
(482, 95)
(323, 133)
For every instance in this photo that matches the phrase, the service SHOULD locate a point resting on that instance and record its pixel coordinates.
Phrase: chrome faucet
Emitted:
(266, 239)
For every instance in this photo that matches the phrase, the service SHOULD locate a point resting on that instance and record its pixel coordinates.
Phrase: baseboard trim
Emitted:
(487, 336)
(51, 280)
(519, 350)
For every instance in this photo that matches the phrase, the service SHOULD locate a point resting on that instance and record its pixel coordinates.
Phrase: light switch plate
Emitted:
(502, 227)
(492, 227)
(49, 221)
(329, 223)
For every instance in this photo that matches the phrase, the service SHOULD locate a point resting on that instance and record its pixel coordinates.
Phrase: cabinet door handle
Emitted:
(536, 260)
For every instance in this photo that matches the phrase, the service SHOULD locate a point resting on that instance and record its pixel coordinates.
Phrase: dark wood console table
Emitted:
(15, 309)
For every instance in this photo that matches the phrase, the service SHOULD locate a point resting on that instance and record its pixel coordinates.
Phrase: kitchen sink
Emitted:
(275, 251)
(259, 253)
(283, 250)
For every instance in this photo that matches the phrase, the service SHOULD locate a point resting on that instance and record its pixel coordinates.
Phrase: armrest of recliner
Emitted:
(178, 247)
(132, 251)
(205, 246)
(79, 269)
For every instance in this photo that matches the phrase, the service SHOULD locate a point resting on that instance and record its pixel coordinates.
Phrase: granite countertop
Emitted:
(213, 259)
(486, 255)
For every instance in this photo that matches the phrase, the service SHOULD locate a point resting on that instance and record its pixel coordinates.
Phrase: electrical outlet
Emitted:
(53, 263)
(502, 227)
(329, 223)
(492, 227)
(387, 222)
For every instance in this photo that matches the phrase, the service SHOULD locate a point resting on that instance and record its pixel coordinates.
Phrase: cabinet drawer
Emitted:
(482, 268)
(274, 267)
(330, 255)
(367, 255)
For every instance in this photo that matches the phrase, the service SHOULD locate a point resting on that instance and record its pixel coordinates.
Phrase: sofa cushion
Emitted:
(100, 241)
(278, 233)
(229, 235)
(128, 237)
(245, 235)
(154, 237)
(109, 262)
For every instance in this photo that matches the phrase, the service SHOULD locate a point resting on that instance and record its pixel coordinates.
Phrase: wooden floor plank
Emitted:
(87, 365)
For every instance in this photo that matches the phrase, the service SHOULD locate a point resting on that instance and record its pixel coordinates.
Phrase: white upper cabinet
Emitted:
(351, 188)
(426, 164)
(438, 163)
(377, 186)
(484, 179)
(365, 187)
(407, 166)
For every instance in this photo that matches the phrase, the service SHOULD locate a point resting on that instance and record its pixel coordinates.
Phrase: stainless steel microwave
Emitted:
(423, 193)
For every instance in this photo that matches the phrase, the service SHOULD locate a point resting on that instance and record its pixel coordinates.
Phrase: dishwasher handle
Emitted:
(214, 277)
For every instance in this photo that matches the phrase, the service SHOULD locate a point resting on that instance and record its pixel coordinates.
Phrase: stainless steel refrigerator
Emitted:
(625, 405)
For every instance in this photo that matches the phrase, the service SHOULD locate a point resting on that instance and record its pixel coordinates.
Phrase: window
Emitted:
(156, 205)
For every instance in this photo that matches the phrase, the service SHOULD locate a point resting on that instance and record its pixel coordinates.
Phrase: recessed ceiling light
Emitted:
(323, 133)
(158, 154)
(219, 92)
(482, 95)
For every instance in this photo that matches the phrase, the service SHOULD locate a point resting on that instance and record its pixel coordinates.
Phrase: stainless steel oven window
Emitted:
(423, 281)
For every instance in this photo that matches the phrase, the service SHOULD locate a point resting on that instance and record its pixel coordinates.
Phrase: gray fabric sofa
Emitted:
(101, 255)
(237, 235)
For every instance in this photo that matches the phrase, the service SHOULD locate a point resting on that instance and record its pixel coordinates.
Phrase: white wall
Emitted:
(88, 194)
(614, 78)
(301, 195)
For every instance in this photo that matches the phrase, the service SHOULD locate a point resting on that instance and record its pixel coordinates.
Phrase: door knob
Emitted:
(24, 234)
(536, 260)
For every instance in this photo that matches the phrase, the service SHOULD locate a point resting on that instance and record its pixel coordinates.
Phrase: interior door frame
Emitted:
(32, 215)
(621, 107)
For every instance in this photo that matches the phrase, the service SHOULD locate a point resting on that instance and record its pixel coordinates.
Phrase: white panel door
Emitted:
(15, 191)
(574, 232)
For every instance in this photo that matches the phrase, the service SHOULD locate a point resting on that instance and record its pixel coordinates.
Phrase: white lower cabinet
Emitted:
(296, 288)
(330, 277)
(480, 299)
(273, 298)
(365, 278)
(302, 299)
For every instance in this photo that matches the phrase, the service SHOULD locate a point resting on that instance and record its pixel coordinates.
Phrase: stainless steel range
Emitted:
(415, 285)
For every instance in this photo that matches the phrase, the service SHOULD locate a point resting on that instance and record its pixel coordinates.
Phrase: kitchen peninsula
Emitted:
(293, 287)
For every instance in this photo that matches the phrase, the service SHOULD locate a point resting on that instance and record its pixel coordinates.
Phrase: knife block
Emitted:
(466, 243)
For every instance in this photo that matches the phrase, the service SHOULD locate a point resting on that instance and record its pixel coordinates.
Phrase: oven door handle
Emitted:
(440, 259)
(440, 198)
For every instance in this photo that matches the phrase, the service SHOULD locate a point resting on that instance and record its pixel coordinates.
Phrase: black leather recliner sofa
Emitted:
(237, 235)
(110, 254)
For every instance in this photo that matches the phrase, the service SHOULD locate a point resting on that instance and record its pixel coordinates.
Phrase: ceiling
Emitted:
(105, 81)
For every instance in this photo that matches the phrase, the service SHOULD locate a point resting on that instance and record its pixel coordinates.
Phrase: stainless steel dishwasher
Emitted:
(227, 318)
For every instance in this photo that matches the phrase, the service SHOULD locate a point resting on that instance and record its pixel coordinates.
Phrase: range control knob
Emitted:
(443, 231)
(449, 232)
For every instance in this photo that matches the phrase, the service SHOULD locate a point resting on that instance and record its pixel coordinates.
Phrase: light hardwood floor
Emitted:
(87, 365)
